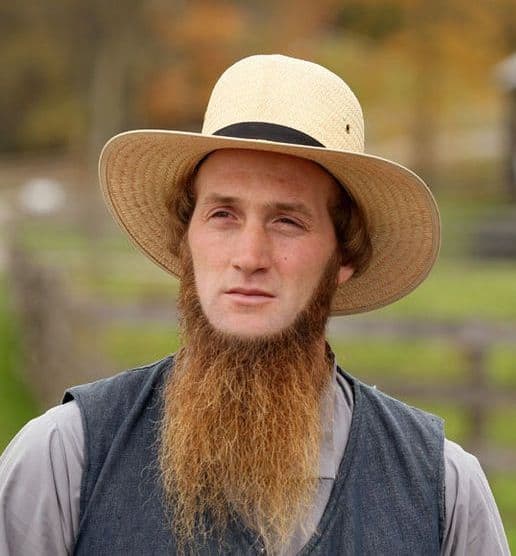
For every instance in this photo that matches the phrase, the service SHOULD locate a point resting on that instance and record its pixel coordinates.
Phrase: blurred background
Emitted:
(437, 81)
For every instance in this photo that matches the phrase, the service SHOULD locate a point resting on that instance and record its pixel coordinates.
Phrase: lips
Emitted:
(249, 292)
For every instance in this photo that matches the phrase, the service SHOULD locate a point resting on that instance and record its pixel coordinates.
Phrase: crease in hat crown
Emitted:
(290, 92)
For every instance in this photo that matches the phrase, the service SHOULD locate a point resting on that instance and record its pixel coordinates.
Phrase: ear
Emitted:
(345, 273)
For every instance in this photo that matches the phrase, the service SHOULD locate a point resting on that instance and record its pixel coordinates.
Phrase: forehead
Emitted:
(265, 174)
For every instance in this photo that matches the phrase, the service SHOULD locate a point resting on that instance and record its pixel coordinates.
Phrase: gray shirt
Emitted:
(41, 471)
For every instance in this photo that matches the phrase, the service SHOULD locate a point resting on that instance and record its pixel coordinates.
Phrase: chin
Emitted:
(250, 331)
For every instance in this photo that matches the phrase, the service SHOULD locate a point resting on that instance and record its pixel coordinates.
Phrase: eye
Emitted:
(289, 221)
(220, 214)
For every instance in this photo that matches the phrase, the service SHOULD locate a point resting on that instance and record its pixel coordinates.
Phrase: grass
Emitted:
(499, 432)
(17, 406)
(42, 235)
(502, 366)
(428, 361)
(116, 286)
(456, 424)
(460, 290)
(131, 345)
(504, 490)
(107, 265)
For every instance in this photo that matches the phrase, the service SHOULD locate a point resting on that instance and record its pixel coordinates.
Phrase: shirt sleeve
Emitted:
(473, 523)
(40, 481)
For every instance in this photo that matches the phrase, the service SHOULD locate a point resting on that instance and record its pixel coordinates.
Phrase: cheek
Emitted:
(304, 265)
(301, 273)
(306, 268)
(204, 269)
(204, 250)
(208, 269)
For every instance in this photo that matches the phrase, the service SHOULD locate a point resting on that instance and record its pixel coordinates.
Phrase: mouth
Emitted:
(249, 296)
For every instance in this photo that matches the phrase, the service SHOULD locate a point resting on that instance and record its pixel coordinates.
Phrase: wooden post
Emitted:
(475, 349)
(511, 142)
(58, 349)
(505, 73)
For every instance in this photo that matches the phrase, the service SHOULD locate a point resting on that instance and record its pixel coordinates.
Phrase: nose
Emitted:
(252, 249)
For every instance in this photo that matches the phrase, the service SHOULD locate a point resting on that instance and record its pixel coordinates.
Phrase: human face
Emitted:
(260, 236)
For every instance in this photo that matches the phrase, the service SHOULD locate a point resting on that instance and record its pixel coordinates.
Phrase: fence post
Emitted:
(475, 348)
(58, 351)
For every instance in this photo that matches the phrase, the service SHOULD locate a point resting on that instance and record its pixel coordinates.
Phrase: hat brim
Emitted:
(138, 170)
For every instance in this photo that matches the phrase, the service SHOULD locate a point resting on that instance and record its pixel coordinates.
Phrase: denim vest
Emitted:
(388, 496)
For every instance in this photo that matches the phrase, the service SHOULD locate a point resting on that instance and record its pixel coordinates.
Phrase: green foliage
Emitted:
(62, 238)
(460, 290)
(132, 345)
(430, 361)
(502, 366)
(455, 417)
(107, 266)
(499, 432)
(17, 406)
(504, 486)
(504, 490)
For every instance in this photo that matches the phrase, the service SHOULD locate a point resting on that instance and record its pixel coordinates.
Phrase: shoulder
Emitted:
(473, 523)
(42, 468)
(109, 401)
(466, 483)
(58, 430)
(117, 389)
(462, 467)
(400, 416)
(116, 408)
(405, 432)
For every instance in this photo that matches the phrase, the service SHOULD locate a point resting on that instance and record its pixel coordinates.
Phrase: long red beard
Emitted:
(241, 430)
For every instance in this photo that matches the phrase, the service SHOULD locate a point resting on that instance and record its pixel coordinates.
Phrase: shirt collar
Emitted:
(336, 414)
(327, 451)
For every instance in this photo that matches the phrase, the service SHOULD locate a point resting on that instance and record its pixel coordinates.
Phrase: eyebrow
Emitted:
(291, 207)
(216, 198)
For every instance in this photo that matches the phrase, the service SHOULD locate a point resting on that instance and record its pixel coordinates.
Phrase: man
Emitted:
(251, 439)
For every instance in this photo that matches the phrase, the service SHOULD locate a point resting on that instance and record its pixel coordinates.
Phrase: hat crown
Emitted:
(288, 92)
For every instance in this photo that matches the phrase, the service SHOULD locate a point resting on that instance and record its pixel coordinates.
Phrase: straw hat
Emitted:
(281, 104)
